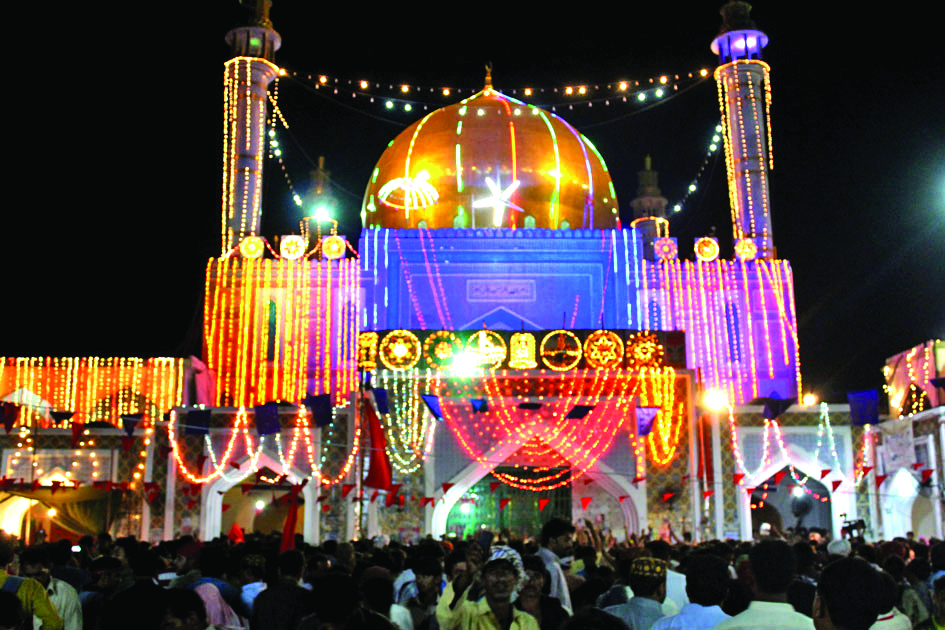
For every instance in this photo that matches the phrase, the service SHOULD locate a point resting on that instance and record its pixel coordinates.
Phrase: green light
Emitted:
(641, 96)
(677, 208)
(692, 188)
(255, 42)
(407, 107)
(718, 128)
(659, 93)
(272, 133)
(376, 171)
(611, 186)
(462, 110)
(277, 152)
(716, 138)
(322, 214)
(370, 204)
(713, 147)
(459, 171)
(389, 105)
(459, 128)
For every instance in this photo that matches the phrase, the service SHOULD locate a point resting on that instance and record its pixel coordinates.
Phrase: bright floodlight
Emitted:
(464, 508)
(260, 505)
(715, 399)
(465, 363)
(810, 399)
(51, 513)
(798, 491)
(322, 214)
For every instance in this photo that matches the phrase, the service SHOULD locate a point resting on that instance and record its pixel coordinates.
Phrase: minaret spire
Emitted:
(745, 102)
(488, 77)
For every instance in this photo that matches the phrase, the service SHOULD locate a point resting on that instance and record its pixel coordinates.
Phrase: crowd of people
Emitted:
(567, 578)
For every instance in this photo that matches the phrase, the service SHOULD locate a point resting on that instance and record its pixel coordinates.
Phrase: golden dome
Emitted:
(490, 161)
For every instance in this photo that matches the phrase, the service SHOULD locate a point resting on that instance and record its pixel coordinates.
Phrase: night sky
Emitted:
(113, 204)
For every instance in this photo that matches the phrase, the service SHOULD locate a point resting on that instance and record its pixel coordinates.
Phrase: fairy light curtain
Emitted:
(95, 388)
(281, 329)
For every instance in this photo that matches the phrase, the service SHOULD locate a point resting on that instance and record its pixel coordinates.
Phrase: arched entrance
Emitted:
(211, 511)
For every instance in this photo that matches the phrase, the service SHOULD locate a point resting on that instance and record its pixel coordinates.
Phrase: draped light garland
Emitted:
(409, 431)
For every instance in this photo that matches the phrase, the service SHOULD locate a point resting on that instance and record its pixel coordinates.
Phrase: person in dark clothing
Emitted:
(144, 600)
(847, 596)
(184, 610)
(284, 603)
(804, 587)
(546, 609)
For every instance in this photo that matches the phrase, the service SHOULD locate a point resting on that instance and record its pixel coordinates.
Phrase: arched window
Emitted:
(422, 224)
(564, 225)
(529, 221)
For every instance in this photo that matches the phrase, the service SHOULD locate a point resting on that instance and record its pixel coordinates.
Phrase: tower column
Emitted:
(744, 100)
(246, 79)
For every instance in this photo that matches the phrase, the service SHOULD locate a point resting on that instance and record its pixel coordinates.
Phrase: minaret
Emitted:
(246, 77)
(649, 208)
(745, 101)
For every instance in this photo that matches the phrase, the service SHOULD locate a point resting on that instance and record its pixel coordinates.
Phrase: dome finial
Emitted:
(488, 76)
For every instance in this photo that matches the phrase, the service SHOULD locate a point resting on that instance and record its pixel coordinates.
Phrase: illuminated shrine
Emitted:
(497, 336)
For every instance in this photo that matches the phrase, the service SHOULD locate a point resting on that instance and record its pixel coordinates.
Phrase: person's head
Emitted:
(34, 563)
(186, 557)
(252, 568)
(429, 573)
(847, 596)
(499, 578)
(291, 564)
(12, 616)
(594, 619)
(648, 578)
(896, 567)
(184, 610)
(145, 563)
(707, 579)
(804, 556)
(212, 561)
(455, 564)
(556, 535)
(105, 573)
(535, 576)
(659, 549)
(771, 564)
(377, 589)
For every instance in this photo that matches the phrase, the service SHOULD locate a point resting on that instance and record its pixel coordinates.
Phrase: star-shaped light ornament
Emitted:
(499, 200)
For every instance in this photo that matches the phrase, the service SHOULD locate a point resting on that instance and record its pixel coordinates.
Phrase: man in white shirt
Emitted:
(706, 588)
(35, 563)
(848, 596)
(771, 570)
(556, 543)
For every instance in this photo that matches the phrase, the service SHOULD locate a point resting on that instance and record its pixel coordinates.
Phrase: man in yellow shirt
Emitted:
(499, 577)
(30, 592)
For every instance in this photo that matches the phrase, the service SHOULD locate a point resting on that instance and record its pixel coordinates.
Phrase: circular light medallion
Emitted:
(665, 248)
(603, 350)
(644, 350)
(252, 247)
(745, 249)
(707, 249)
(489, 346)
(292, 247)
(440, 348)
(560, 350)
(333, 247)
(399, 350)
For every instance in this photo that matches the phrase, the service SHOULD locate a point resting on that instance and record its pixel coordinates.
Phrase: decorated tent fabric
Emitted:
(83, 510)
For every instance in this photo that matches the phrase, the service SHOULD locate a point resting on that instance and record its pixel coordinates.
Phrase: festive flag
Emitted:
(864, 407)
(374, 495)
(938, 383)
(58, 417)
(433, 404)
(493, 485)
(638, 479)
(380, 399)
(267, 418)
(8, 413)
(346, 489)
(917, 465)
(380, 473)
(623, 498)
(775, 406)
(77, 429)
(749, 491)
(645, 417)
(880, 479)
(737, 478)
(56, 486)
(836, 484)
(426, 501)
(529, 406)
(234, 464)
(246, 487)
(225, 507)
(825, 471)
(586, 501)
(320, 408)
(588, 482)
(129, 421)
(667, 496)
(197, 422)
(503, 503)
(866, 470)
(926, 475)
(778, 476)
(326, 508)
(579, 411)
(707, 493)
(446, 487)
(542, 503)
(479, 405)
(392, 494)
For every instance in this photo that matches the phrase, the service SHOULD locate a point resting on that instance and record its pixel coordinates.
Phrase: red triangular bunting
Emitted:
(836, 484)
(226, 506)
(749, 491)
(623, 498)
(917, 465)
(76, 484)
(824, 472)
(346, 489)
(586, 501)
(374, 495)
(321, 498)
(77, 429)
(493, 485)
(35, 485)
(426, 501)
(446, 487)
(246, 487)
(8, 413)
(778, 476)
(56, 485)
(235, 465)
(880, 479)
(707, 493)
(503, 503)
(926, 474)
(667, 496)
(588, 482)
(638, 479)
(542, 503)
(737, 478)
(866, 470)
(326, 508)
